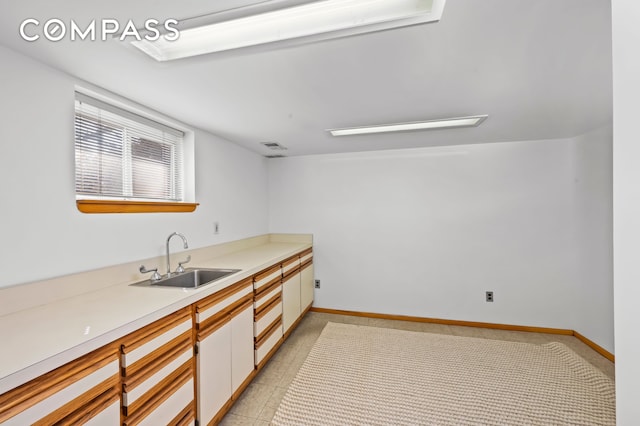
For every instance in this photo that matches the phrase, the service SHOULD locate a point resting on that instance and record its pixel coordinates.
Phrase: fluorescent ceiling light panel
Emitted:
(308, 22)
(446, 123)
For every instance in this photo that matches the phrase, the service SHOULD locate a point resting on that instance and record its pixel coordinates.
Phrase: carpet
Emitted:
(357, 375)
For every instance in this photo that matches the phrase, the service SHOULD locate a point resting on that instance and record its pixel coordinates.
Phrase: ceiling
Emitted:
(541, 69)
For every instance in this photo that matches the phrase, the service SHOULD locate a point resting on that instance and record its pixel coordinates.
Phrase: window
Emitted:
(124, 159)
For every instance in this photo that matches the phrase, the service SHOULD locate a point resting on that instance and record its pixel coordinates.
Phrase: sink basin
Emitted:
(190, 278)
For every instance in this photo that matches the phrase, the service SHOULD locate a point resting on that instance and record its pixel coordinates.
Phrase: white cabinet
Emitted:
(224, 323)
(290, 300)
(84, 391)
(158, 372)
(242, 356)
(306, 281)
(151, 376)
(214, 371)
(295, 290)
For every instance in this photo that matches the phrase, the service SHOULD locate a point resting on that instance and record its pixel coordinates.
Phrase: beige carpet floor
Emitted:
(358, 375)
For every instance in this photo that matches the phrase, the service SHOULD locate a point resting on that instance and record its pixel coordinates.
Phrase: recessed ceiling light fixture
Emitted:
(314, 21)
(446, 123)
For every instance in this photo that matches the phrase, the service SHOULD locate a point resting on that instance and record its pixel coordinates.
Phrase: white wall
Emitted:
(593, 221)
(44, 235)
(425, 232)
(626, 202)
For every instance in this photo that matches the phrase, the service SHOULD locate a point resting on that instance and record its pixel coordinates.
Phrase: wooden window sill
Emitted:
(109, 206)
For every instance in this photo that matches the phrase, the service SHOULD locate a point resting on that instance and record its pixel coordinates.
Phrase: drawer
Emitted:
(266, 318)
(217, 302)
(267, 344)
(266, 297)
(70, 399)
(290, 265)
(267, 277)
(306, 256)
(173, 408)
(148, 339)
(168, 399)
(96, 373)
(134, 392)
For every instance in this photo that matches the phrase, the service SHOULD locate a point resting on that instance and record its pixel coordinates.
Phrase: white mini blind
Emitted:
(121, 155)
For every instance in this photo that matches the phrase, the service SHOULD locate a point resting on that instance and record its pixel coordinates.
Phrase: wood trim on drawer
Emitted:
(155, 361)
(306, 264)
(290, 275)
(306, 252)
(225, 293)
(145, 334)
(260, 339)
(266, 272)
(289, 261)
(269, 354)
(184, 417)
(267, 287)
(211, 325)
(29, 394)
(86, 406)
(155, 396)
(264, 309)
(239, 306)
(264, 290)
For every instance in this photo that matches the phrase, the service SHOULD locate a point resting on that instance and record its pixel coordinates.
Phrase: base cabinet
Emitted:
(214, 373)
(224, 323)
(184, 369)
(297, 289)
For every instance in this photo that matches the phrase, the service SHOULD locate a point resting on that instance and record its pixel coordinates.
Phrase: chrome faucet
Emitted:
(186, 246)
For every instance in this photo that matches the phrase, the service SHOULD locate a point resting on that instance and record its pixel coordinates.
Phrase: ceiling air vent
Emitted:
(274, 146)
(275, 156)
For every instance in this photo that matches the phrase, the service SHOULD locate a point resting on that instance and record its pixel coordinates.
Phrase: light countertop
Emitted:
(41, 338)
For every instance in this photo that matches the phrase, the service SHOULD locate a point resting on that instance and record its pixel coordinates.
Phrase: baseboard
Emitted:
(593, 345)
(608, 355)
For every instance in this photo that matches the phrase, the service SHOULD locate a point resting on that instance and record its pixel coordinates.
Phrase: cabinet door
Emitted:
(225, 342)
(306, 286)
(214, 372)
(290, 300)
(242, 357)
(83, 391)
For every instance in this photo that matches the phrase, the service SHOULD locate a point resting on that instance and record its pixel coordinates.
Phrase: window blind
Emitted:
(121, 155)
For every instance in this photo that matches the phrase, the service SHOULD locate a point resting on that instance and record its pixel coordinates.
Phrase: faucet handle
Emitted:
(155, 277)
(180, 269)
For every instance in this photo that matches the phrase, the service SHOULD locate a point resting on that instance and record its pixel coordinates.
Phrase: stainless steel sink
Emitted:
(190, 278)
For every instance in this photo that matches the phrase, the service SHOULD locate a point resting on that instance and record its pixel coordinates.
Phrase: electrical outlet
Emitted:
(317, 283)
(216, 227)
(489, 296)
